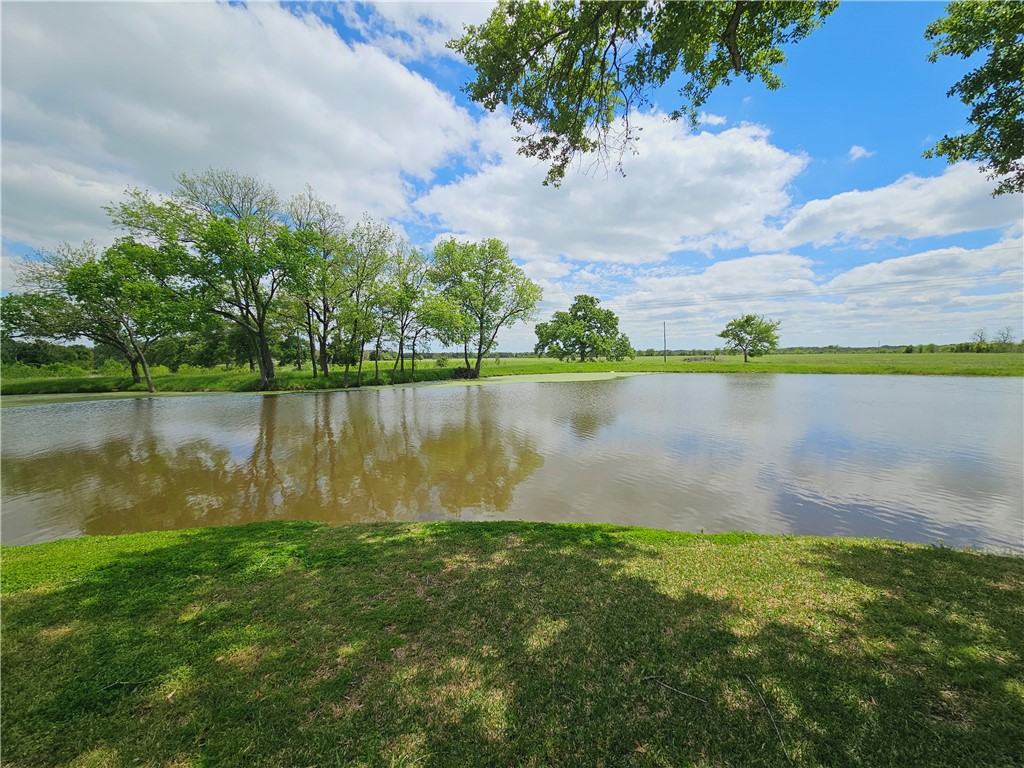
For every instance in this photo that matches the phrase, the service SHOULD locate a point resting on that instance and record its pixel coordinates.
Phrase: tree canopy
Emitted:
(993, 90)
(753, 334)
(569, 71)
(110, 298)
(585, 332)
(489, 290)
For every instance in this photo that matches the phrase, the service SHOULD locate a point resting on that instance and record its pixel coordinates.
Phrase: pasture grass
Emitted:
(934, 364)
(508, 644)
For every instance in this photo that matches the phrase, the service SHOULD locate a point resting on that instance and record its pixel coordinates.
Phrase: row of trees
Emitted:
(223, 247)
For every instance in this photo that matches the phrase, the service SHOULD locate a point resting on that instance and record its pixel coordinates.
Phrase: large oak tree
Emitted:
(569, 72)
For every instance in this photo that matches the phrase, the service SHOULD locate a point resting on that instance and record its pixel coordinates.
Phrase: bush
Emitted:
(441, 362)
(464, 373)
(112, 367)
(63, 371)
(21, 371)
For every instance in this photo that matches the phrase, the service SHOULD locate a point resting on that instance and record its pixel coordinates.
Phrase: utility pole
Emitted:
(664, 339)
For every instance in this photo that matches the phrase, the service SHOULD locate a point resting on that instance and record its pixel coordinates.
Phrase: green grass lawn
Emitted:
(508, 644)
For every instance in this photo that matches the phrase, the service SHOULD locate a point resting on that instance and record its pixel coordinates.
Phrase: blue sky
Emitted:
(811, 205)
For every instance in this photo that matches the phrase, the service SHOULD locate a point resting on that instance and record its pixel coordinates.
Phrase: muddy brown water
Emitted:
(922, 459)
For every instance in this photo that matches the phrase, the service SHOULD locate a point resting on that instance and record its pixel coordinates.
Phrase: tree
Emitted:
(232, 246)
(409, 288)
(372, 244)
(753, 334)
(490, 291)
(1005, 337)
(568, 71)
(319, 279)
(992, 90)
(585, 332)
(111, 298)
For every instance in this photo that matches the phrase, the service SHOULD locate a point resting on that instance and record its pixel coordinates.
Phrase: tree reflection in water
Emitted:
(340, 458)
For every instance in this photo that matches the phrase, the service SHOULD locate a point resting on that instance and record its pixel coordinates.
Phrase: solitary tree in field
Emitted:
(585, 332)
(754, 334)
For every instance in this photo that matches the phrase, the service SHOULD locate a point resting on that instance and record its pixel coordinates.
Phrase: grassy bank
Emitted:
(938, 364)
(508, 644)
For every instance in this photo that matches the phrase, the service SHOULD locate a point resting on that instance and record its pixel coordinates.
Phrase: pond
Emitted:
(923, 459)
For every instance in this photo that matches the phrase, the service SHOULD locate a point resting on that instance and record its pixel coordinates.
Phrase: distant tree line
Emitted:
(222, 272)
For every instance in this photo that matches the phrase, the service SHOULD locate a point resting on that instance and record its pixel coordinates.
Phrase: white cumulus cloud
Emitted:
(958, 200)
(682, 190)
(98, 96)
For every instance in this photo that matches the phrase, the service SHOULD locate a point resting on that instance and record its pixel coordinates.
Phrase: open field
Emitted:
(935, 364)
(289, 379)
(508, 644)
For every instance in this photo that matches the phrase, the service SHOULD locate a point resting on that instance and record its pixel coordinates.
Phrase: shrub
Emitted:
(20, 371)
(63, 371)
(112, 367)
(464, 373)
(441, 362)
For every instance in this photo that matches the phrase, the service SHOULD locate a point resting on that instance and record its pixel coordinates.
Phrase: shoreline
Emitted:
(29, 392)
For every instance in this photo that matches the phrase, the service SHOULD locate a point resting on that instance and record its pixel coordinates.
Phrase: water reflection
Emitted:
(903, 457)
(338, 458)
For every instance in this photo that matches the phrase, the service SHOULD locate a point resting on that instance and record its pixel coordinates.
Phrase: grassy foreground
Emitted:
(288, 379)
(508, 644)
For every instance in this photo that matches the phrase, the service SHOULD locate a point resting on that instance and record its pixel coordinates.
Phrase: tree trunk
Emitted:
(325, 363)
(149, 379)
(266, 360)
(744, 354)
(134, 363)
(376, 355)
(298, 354)
(145, 366)
(465, 352)
(348, 353)
(413, 364)
(309, 335)
(480, 350)
(323, 332)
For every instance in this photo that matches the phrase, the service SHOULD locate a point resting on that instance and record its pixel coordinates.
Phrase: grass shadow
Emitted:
(505, 644)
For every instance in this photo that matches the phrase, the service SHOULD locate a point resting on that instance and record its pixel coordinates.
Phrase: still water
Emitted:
(913, 458)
